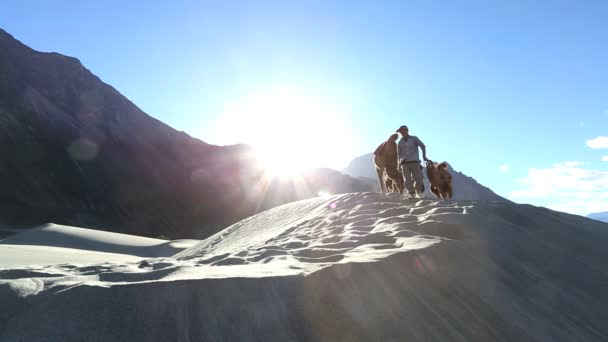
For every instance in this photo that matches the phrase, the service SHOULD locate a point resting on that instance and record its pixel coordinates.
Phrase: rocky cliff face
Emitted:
(75, 151)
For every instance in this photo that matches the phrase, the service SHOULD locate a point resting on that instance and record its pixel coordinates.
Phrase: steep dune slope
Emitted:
(353, 267)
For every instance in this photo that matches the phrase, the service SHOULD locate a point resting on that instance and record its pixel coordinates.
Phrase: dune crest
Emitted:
(352, 267)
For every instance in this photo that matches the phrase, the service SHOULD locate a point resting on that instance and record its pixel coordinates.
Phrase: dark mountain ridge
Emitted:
(75, 151)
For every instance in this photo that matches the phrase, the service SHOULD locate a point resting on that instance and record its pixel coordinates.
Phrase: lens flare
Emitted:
(323, 193)
(290, 129)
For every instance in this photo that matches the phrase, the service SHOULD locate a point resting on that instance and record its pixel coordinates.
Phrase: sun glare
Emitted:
(275, 165)
(323, 193)
(290, 130)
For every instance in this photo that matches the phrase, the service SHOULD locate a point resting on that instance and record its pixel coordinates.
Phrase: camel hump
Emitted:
(379, 149)
(444, 173)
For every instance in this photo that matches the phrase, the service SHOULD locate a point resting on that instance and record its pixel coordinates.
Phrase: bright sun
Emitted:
(290, 130)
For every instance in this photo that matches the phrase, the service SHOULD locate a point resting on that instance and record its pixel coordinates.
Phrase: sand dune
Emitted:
(354, 267)
(56, 244)
(312, 234)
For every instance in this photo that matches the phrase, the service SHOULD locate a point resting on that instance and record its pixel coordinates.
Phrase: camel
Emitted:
(440, 179)
(385, 160)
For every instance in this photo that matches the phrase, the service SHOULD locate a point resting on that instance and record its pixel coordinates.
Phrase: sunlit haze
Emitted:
(290, 129)
(508, 92)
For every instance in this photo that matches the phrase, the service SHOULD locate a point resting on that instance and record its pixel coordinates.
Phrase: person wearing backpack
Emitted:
(409, 161)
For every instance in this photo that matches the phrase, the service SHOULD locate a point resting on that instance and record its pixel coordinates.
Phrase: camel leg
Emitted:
(449, 192)
(400, 185)
(390, 187)
(380, 174)
(394, 180)
(435, 191)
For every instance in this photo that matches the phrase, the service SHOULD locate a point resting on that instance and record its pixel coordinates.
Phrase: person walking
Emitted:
(409, 161)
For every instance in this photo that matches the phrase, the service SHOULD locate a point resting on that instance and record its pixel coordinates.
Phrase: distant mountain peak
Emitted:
(600, 216)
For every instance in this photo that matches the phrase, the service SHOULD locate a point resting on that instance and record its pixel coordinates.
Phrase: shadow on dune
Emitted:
(512, 273)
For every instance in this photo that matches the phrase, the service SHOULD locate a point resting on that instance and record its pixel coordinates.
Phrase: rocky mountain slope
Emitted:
(75, 151)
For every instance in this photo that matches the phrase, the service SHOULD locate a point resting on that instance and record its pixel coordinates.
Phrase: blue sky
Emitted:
(512, 93)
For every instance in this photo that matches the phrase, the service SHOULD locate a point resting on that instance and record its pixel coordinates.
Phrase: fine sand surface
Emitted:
(353, 267)
(56, 244)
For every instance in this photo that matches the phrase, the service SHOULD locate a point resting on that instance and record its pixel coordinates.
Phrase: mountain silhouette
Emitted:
(75, 151)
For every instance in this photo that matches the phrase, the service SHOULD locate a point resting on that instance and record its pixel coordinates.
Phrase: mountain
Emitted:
(75, 151)
(351, 267)
(601, 216)
(465, 187)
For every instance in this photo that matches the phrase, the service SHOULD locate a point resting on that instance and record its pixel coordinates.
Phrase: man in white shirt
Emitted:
(409, 160)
